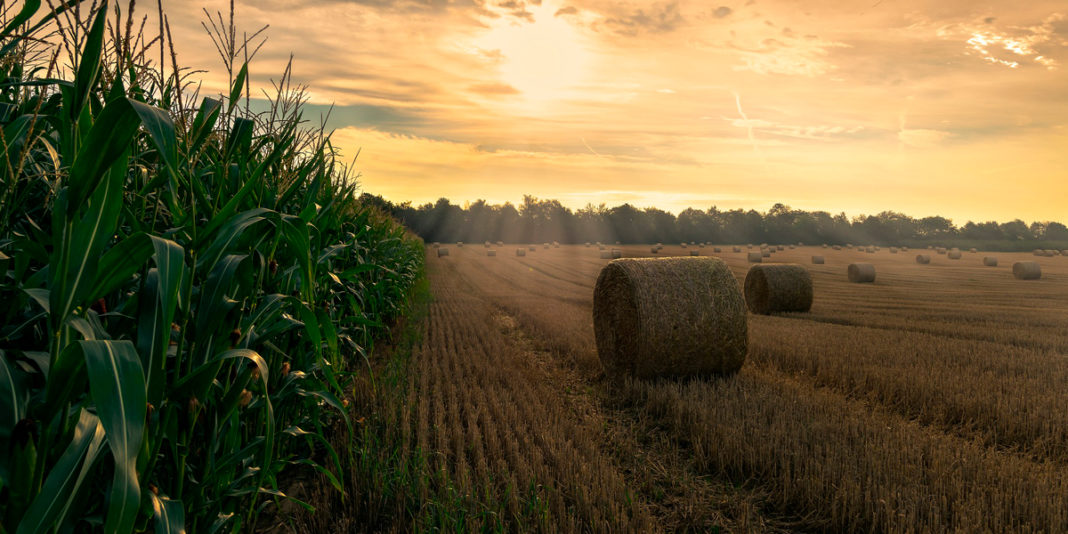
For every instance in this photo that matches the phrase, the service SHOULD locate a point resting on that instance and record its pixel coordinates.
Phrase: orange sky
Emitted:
(957, 108)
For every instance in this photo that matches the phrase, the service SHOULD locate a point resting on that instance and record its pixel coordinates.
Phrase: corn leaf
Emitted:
(89, 67)
(61, 486)
(117, 386)
(169, 515)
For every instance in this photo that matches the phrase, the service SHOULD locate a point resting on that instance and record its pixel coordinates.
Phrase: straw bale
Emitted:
(861, 273)
(817, 260)
(755, 257)
(778, 287)
(990, 261)
(1026, 270)
(669, 317)
(923, 259)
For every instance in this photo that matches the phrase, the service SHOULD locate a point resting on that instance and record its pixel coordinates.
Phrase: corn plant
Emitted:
(186, 287)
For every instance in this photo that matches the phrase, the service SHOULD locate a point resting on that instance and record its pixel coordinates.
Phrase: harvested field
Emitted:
(929, 400)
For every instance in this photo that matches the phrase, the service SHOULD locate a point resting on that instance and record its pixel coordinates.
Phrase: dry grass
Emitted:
(930, 400)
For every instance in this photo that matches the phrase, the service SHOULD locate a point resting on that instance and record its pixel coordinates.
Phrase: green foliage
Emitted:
(186, 285)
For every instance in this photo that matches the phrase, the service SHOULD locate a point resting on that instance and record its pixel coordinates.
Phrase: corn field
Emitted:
(187, 285)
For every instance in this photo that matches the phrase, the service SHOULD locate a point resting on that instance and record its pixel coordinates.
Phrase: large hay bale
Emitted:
(1064, 252)
(683, 244)
(1051, 253)
(695, 253)
(923, 259)
(500, 243)
(520, 252)
(861, 273)
(824, 245)
(954, 254)
(587, 244)
(669, 317)
(616, 253)
(600, 246)
(1026, 270)
(817, 260)
(780, 287)
(443, 252)
(755, 257)
(940, 250)
(491, 253)
(893, 250)
(990, 261)
(737, 249)
(486, 244)
(436, 244)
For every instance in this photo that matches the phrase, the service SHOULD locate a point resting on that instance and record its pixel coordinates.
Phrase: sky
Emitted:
(956, 108)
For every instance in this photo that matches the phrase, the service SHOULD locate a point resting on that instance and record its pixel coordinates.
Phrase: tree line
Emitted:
(540, 220)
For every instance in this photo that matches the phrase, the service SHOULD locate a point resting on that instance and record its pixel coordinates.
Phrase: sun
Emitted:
(544, 59)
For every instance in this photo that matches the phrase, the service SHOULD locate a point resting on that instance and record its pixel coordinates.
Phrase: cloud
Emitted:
(661, 18)
(922, 138)
(721, 12)
(1012, 46)
(567, 10)
(493, 89)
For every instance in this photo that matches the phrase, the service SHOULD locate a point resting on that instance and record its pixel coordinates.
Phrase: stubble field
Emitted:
(935, 399)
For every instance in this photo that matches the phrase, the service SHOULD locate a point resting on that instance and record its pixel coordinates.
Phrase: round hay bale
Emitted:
(940, 250)
(587, 244)
(791, 247)
(870, 250)
(716, 250)
(817, 260)
(765, 253)
(600, 246)
(779, 248)
(904, 249)
(520, 252)
(532, 248)
(1051, 253)
(683, 244)
(695, 253)
(861, 273)
(837, 247)
(824, 245)
(669, 317)
(500, 243)
(953, 254)
(990, 261)
(616, 253)
(486, 244)
(606, 254)
(443, 252)
(1040, 252)
(780, 287)
(973, 250)
(1026, 270)
(893, 250)
(491, 253)
(755, 257)
(436, 244)
(460, 244)
(923, 259)
(737, 249)
(1064, 252)
(654, 250)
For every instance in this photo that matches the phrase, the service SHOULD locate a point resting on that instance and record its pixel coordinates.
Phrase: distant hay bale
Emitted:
(695, 253)
(1064, 252)
(860, 273)
(716, 250)
(520, 252)
(616, 253)
(940, 250)
(600, 246)
(1051, 253)
(893, 250)
(765, 253)
(791, 247)
(779, 248)
(587, 244)
(904, 249)
(491, 253)
(817, 260)
(923, 259)
(1026, 270)
(654, 250)
(973, 250)
(870, 250)
(657, 317)
(460, 244)
(849, 245)
(780, 287)
(954, 254)
(606, 254)
(837, 247)
(683, 244)
(532, 248)
(755, 257)
(486, 244)
(824, 245)
(700, 245)
(500, 243)
(443, 252)
(737, 249)
(990, 261)
(1040, 252)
